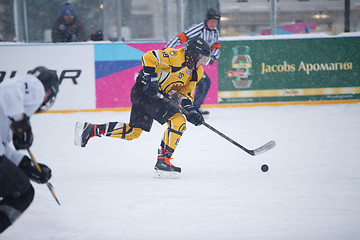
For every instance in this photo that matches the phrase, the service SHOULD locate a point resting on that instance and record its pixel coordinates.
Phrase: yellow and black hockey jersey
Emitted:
(174, 75)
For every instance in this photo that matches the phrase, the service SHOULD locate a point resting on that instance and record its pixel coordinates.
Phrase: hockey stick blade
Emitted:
(264, 148)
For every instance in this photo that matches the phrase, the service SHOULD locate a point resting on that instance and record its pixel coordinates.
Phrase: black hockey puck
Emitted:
(264, 168)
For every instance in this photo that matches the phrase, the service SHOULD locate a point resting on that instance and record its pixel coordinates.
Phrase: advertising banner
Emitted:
(74, 64)
(289, 70)
(117, 66)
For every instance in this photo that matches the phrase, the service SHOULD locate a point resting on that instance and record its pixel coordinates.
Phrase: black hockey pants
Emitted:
(16, 192)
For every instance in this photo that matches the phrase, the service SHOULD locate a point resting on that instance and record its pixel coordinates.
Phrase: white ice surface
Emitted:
(106, 190)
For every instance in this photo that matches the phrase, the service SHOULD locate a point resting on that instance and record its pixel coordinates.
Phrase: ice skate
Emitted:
(83, 132)
(164, 168)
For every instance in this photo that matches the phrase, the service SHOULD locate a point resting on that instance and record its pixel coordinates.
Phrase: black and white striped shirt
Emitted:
(199, 30)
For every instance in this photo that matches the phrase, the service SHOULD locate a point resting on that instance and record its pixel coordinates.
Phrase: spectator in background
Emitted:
(68, 28)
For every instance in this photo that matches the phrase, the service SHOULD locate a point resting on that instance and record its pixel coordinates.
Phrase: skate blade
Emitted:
(79, 126)
(166, 174)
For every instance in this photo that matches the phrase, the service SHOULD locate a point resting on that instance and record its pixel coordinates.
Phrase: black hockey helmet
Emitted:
(50, 81)
(195, 49)
(212, 13)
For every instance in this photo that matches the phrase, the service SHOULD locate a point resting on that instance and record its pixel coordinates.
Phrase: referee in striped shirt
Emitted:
(208, 31)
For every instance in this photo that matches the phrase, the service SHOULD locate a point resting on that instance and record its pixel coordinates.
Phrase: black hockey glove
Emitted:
(194, 116)
(30, 169)
(151, 87)
(22, 134)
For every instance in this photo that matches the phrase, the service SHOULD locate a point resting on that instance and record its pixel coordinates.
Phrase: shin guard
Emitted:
(172, 135)
(122, 130)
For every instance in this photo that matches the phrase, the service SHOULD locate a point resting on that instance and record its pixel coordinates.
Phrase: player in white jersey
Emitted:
(208, 31)
(20, 98)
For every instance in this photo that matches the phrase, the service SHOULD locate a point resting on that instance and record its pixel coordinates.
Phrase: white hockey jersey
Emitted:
(18, 95)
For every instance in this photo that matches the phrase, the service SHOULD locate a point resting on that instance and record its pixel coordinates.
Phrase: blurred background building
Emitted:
(159, 20)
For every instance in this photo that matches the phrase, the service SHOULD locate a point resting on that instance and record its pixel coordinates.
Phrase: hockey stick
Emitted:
(264, 148)
(51, 188)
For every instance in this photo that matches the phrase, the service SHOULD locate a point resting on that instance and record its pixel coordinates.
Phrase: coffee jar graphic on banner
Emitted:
(241, 65)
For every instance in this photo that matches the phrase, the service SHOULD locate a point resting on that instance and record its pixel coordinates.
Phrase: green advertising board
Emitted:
(283, 70)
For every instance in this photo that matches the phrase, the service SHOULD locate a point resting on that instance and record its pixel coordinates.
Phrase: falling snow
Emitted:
(106, 190)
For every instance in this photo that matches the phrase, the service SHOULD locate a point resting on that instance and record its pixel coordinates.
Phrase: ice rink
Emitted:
(107, 190)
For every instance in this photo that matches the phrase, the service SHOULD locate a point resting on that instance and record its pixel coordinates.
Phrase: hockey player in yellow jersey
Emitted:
(167, 72)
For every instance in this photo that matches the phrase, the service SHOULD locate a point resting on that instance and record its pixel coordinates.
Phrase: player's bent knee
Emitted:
(178, 122)
(12, 208)
(22, 203)
(13, 181)
(137, 132)
(134, 134)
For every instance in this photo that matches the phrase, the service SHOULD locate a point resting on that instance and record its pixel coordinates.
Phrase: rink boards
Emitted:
(261, 70)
